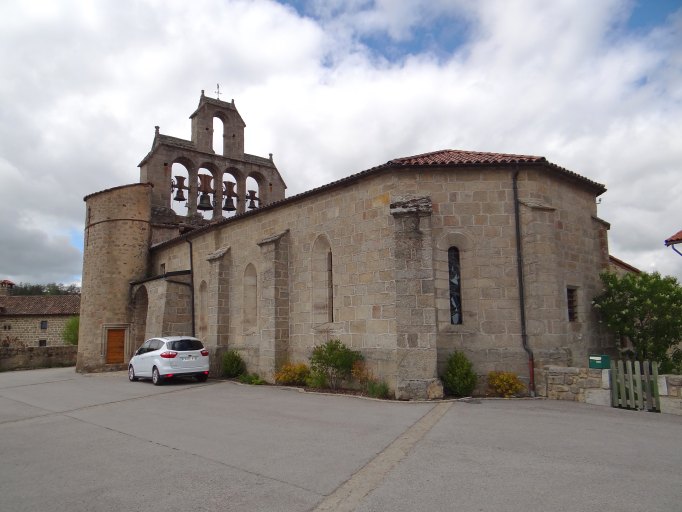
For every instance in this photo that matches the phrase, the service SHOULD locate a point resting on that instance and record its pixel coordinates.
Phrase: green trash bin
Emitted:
(601, 362)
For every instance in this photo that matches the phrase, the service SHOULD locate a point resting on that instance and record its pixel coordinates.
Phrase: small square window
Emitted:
(42, 343)
(43, 324)
(572, 304)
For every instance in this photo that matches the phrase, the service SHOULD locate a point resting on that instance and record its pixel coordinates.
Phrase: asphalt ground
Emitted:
(100, 443)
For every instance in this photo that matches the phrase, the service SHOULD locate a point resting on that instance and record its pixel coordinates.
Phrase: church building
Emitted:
(494, 255)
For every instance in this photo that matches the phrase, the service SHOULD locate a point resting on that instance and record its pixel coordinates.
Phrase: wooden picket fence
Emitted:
(634, 385)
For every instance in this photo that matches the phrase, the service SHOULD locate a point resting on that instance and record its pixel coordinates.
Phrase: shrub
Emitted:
(251, 378)
(335, 361)
(233, 364)
(316, 380)
(459, 378)
(378, 389)
(293, 374)
(506, 384)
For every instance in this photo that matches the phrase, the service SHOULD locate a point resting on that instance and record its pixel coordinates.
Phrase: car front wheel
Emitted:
(156, 378)
(131, 373)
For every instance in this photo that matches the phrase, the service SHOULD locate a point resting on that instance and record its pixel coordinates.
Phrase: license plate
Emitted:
(190, 358)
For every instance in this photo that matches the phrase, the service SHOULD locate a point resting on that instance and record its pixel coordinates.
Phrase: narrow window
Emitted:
(455, 286)
(42, 343)
(572, 304)
(250, 299)
(43, 324)
(330, 288)
(323, 281)
(162, 269)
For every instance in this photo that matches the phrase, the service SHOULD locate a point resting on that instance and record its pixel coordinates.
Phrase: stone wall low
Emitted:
(30, 358)
(593, 387)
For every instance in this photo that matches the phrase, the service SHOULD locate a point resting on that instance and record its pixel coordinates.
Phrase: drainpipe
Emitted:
(191, 286)
(522, 290)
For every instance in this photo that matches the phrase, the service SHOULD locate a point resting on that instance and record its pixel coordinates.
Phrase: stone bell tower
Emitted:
(216, 183)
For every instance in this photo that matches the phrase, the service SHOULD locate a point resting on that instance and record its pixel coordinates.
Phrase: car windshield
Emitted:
(182, 345)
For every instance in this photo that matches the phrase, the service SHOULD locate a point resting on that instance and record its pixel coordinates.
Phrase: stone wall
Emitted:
(28, 332)
(30, 358)
(593, 387)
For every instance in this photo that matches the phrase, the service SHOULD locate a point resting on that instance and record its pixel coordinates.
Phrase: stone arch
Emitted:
(322, 281)
(203, 311)
(260, 185)
(250, 299)
(210, 189)
(233, 180)
(181, 175)
(140, 308)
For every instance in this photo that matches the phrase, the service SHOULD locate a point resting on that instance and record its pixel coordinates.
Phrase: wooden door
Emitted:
(115, 343)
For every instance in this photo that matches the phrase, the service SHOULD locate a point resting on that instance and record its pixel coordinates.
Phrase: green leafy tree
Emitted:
(70, 332)
(647, 309)
(45, 289)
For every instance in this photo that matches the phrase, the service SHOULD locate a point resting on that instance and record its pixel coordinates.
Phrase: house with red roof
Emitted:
(34, 320)
(673, 241)
(494, 255)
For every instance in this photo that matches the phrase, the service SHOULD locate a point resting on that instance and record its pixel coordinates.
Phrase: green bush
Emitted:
(251, 378)
(335, 361)
(459, 378)
(70, 331)
(292, 374)
(378, 389)
(316, 380)
(233, 364)
(506, 384)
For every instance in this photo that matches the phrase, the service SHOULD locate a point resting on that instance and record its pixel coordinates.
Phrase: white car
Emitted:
(173, 356)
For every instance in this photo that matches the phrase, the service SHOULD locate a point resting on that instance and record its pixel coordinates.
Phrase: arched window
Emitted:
(323, 281)
(203, 310)
(218, 140)
(454, 278)
(250, 302)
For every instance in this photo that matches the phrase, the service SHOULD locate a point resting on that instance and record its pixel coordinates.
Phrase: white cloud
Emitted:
(87, 83)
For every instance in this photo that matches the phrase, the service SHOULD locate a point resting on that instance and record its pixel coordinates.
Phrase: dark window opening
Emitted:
(455, 286)
(42, 343)
(330, 288)
(572, 304)
(43, 324)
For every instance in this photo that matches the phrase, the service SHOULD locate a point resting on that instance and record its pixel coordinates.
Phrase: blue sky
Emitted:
(332, 87)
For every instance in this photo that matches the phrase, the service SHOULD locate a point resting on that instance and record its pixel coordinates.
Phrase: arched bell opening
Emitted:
(218, 144)
(180, 188)
(209, 190)
(231, 199)
(253, 198)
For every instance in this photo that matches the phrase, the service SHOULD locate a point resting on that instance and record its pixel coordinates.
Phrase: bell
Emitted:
(229, 205)
(179, 185)
(180, 195)
(204, 203)
(252, 199)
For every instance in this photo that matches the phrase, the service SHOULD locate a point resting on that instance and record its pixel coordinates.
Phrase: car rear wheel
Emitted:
(202, 377)
(156, 378)
(131, 373)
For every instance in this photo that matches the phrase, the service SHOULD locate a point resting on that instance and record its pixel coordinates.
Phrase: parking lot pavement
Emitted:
(98, 443)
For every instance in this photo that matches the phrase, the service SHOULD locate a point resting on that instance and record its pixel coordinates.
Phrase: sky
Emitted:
(334, 87)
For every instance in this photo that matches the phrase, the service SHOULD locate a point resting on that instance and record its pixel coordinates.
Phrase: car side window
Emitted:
(144, 348)
(156, 345)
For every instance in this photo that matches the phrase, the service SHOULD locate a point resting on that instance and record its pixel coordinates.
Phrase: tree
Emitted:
(70, 332)
(45, 289)
(647, 309)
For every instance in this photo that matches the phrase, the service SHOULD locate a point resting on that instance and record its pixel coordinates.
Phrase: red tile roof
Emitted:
(447, 158)
(22, 305)
(457, 157)
(675, 239)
